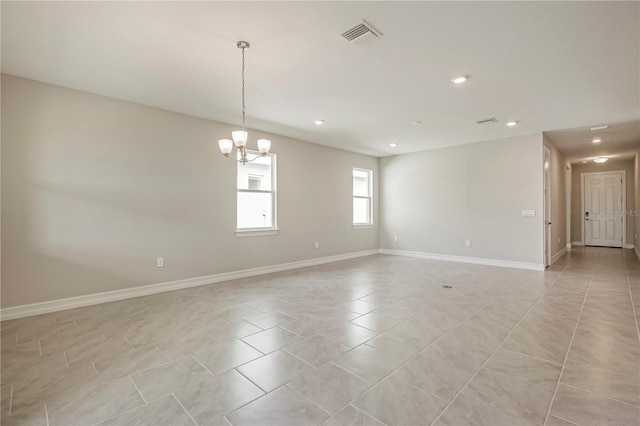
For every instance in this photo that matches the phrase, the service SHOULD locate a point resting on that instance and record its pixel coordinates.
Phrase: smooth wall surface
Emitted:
(95, 189)
(576, 195)
(435, 200)
(558, 198)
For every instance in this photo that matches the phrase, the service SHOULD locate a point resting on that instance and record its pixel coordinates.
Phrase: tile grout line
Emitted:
(530, 356)
(203, 366)
(11, 400)
(633, 307)
(128, 341)
(162, 352)
(496, 349)
(185, 410)
(363, 412)
(97, 373)
(304, 397)
(46, 413)
(254, 383)
(601, 396)
(138, 390)
(564, 363)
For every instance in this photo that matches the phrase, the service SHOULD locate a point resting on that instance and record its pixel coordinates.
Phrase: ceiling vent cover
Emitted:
(487, 121)
(361, 34)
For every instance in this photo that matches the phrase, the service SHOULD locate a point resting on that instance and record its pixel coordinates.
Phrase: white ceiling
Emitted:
(618, 142)
(548, 65)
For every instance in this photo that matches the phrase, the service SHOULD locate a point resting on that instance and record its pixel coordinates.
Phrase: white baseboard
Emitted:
(568, 246)
(629, 246)
(466, 259)
(558, 255)
(110, 296)
(577, 243)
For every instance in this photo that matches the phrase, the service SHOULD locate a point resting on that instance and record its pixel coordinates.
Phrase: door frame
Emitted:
(546, 212)
(624, 202)
(568, 177)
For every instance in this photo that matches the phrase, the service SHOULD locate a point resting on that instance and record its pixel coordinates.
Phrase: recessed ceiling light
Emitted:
(318, 122)
(598, 140)
(600, 159)
(393, 144)
(606, 126)
(416, 123)
(459, 79)
(511, 123)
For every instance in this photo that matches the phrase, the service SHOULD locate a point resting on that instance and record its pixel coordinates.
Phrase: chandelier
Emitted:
(240, 136)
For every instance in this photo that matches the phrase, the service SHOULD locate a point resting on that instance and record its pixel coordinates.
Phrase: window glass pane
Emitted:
(254, 210)
(361, 183)
(255, 175)
(361, 210)
(255, 182)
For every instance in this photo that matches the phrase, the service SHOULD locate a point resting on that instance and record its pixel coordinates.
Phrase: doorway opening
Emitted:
(547, 207)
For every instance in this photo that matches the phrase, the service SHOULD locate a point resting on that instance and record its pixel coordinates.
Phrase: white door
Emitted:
(603, 214)
(547, 207)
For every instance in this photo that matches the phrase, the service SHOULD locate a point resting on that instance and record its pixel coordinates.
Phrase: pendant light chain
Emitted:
(243, 107)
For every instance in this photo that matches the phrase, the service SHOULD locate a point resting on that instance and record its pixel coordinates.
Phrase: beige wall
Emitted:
(558, 198)
(94, 189)
(576, 195)
(435, 200)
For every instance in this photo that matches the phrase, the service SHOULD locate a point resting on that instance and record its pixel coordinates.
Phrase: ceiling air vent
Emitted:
(487, 121)
(361, 34)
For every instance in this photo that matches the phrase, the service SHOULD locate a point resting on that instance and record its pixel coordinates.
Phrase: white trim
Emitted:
(577, 243)
(466, 259)
(369, 197)
(364, 226)
(629, 246)
(623, 194)
(110, 296)
(256, 232)
(558, 255)
(569, 179)
(568, 246)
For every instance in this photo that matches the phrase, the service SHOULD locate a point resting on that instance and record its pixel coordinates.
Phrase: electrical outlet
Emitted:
(467, 243)
(317, 244)
(395, 238)
(160, 262)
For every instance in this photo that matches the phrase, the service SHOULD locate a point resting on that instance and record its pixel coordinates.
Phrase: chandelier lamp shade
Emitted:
(239, 137)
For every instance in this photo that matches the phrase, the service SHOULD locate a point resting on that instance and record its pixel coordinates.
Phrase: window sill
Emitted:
(364, 226)
(256, 232)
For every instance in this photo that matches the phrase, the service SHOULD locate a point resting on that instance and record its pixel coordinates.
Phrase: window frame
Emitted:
(371, 223)
(258, 231)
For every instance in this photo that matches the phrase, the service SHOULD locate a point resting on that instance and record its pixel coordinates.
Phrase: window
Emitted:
(362, 197)
(257, 194)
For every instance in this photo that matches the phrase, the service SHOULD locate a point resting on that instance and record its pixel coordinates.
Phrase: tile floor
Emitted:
(370, 341)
